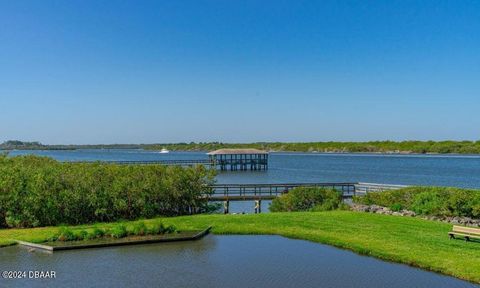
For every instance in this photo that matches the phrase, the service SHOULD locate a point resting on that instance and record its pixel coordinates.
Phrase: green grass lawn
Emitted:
(406, 240)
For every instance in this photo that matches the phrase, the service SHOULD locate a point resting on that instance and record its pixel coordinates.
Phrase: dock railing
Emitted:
(270, 191)
(252, 191)
(364, 188)
(150, 162)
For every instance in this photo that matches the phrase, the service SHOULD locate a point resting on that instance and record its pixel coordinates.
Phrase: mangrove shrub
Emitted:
(307, 199)
(435, 201)
(39, 191)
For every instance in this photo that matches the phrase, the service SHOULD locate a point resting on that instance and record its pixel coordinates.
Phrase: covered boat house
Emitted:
(239, 159)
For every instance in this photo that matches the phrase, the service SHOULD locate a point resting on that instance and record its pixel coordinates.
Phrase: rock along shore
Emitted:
(456, 220)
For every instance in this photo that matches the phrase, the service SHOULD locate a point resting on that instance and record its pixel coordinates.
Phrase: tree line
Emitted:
(421, 147)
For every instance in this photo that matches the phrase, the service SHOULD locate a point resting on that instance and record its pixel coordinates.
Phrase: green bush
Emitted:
(118, 231)
(66, 234)
(160, 228)
(156, 228)
(81, 235)
(396, 207)
(476, 210)
(435, 201)
(96, 233)
(427, 203)
(139, 228)
(170, 229)
(307, 199)
(39, 191)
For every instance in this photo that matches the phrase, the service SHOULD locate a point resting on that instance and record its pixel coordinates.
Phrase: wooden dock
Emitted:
(239, 159)
(223, 159)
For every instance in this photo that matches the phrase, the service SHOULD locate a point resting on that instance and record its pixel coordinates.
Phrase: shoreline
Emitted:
(393, 153)
(373, 146)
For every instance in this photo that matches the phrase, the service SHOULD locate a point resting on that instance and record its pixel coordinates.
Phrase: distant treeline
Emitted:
(39, 191)
(460, 147)
(20, 145)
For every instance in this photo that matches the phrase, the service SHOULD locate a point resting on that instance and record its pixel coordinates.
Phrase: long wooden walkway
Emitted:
(223, 159)
(193, 162)
(240, 192)
(224, 165)
(258, 192)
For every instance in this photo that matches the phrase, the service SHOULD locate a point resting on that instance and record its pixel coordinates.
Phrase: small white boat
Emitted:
(164, 151)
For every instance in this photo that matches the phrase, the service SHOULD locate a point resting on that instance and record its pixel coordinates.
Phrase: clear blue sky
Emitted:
(239, 71)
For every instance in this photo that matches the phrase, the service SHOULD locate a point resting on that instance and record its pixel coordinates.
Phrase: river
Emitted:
(439, 170)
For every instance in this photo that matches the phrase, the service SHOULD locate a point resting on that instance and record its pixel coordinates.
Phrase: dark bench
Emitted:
(466, 232)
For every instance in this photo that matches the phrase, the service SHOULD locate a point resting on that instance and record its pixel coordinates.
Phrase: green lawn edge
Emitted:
(408, 240)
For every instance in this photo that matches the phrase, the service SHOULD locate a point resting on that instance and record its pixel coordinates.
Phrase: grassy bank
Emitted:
(411, 241)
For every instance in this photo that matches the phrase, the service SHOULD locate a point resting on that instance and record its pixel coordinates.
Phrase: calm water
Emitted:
(440, 170)
(218, 261)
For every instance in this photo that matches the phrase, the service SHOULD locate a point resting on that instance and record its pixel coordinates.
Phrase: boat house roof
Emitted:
(236, 151)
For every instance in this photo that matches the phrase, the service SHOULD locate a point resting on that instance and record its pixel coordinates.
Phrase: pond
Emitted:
(217, 261)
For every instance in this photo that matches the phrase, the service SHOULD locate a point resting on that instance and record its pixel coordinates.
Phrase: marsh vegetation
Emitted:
(432, 201)
(39, 191)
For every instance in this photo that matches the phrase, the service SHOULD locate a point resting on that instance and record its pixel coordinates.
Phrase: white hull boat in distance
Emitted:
(163, 151)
